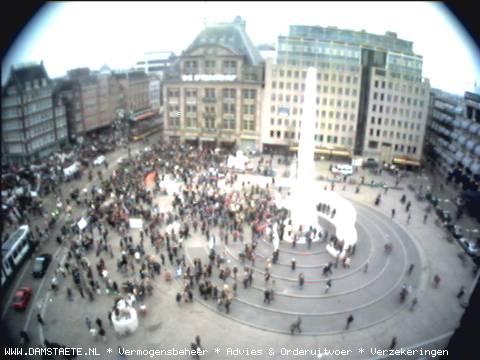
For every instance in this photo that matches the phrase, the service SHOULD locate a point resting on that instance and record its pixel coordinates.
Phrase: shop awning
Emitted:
(403, 161)
(323, 151)
(143, 116)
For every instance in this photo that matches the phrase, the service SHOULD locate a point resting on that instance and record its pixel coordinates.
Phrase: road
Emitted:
(42, 294)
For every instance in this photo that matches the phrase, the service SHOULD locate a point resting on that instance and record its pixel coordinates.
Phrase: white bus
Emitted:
(14, 252)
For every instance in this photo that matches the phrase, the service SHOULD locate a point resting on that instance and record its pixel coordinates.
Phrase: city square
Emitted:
(313, 197)
(370, 292)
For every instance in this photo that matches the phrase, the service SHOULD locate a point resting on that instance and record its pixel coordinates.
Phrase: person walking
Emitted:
(69, 294)
(102, 333)
(294, 263)
(365, 268)
(436, 281)
(410, 269)
(393, 343)
(99, 323)
(228, 302)
(295, 326)
(414, 303)
(425, 217)
(301, 280)
(328, 286)
(24, 338)
(88, 322)
(40, 319)
(393, 213)
(461, 292)
(409, 217)
(349, 321)
(266, 296)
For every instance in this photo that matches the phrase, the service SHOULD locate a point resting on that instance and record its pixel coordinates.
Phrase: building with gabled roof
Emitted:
(33, 119)
(212, 93)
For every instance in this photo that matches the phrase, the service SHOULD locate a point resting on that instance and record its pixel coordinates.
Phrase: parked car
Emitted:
(342, 169)
(22, 298)
(455, 230)
(390, 168)
(40, 265)
(444, 216)
(470, 246)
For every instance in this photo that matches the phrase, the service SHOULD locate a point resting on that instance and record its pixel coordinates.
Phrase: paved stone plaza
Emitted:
(254, 327)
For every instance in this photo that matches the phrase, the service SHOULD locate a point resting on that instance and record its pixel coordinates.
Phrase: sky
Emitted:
(66, 35)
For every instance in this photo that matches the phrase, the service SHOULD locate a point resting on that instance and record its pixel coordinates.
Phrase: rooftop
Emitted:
(27, 72)
(232, 36)
(389, 41)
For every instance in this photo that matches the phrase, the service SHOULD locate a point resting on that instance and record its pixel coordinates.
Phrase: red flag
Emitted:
(150, 179)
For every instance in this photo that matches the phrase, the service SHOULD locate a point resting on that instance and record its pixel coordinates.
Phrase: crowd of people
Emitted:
(208, 201)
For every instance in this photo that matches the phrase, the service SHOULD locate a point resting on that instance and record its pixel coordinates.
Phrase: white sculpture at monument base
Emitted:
(124, 318)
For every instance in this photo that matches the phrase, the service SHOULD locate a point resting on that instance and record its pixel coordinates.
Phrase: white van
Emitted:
(71, 170)
(342, 169)
(99, 160)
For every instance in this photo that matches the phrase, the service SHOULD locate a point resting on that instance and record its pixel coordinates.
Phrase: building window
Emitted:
(249, 93)
(210, 93)
(248, 124)
(229, 124)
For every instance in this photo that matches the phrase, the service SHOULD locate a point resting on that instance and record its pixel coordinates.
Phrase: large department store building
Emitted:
(371, 98)
(212, 94)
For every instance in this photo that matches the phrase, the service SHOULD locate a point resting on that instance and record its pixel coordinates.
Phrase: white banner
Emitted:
(135, 223)
(82, 224)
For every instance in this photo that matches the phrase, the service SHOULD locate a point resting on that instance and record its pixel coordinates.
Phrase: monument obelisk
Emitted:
(303, 192)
